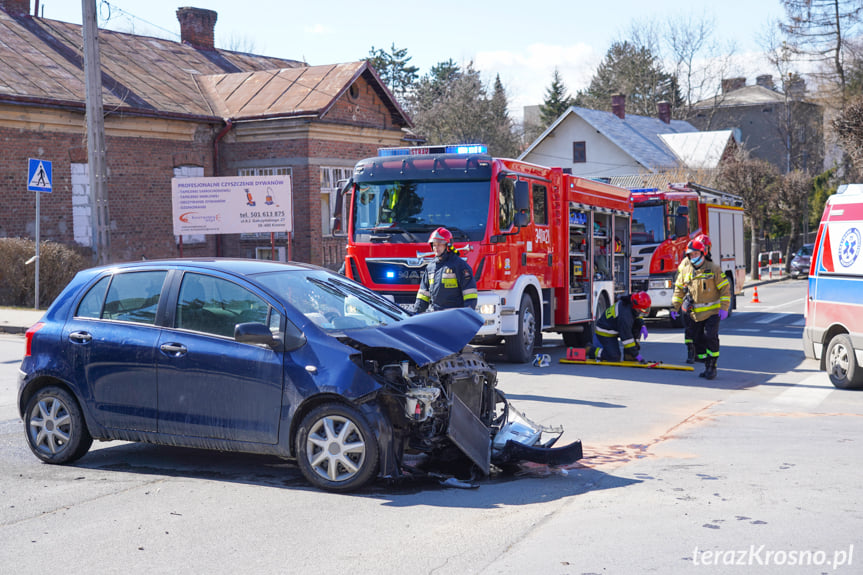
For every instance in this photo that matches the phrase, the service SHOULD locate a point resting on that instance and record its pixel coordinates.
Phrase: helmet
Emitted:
(641, 301)
(697, 245)
(705, 241)
(441, 234)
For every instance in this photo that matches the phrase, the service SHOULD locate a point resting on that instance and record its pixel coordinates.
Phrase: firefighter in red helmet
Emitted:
(447, 281)
(621, 322)
(711, 298)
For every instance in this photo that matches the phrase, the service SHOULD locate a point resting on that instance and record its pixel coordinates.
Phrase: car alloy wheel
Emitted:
(336, 448)
(56, 431)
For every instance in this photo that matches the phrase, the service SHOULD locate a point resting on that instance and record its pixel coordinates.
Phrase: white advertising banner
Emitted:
(231, 205)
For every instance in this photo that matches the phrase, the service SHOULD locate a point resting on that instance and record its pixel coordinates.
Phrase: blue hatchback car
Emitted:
(264, 357)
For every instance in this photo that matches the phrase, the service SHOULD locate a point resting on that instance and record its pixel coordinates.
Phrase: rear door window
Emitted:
(133, 297)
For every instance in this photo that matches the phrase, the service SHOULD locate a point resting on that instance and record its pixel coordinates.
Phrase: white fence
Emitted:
(768, 261)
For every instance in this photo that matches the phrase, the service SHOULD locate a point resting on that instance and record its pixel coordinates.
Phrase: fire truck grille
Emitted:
(639, 285)
(394, 273)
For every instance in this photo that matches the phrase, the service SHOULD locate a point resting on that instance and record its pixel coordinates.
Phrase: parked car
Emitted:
(265, 357)
(800, 261)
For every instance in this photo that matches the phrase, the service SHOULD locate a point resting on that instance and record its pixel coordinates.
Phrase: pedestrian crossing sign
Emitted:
(39, 175)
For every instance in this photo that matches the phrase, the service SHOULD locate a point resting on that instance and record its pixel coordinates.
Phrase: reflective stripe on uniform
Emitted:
(606, 332)
(469, 294)
(698, 308)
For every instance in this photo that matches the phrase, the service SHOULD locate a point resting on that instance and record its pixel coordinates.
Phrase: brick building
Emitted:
(173, 110)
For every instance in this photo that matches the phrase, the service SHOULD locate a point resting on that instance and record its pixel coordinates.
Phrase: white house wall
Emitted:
(604, 158)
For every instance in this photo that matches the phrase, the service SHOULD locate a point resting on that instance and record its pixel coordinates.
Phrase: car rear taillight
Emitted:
(29, 337)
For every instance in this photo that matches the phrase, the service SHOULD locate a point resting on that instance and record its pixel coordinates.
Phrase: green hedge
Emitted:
(59, 264)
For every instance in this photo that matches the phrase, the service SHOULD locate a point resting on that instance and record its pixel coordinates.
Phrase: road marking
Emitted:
(810, 392)
(771, 318)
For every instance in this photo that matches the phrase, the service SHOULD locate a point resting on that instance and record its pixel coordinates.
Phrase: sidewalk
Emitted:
(18, 320)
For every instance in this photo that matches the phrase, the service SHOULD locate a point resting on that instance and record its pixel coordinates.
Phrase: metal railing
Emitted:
(769, 260)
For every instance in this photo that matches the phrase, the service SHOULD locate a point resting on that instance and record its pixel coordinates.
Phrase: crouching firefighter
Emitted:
(621, 322)
(447, 281)
(711, 299)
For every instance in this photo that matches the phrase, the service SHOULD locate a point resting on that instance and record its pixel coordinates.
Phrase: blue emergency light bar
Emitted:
(421, 150)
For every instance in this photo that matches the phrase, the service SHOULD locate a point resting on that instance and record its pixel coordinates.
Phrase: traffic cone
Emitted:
(755, 295)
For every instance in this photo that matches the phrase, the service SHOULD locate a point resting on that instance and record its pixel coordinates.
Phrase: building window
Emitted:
(332, 180)
(285, 171)
(579, 152)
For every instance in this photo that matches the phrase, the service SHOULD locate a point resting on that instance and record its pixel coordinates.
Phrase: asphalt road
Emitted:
(754, 472)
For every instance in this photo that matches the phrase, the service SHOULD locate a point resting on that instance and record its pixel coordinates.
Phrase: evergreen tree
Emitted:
(556, 101)
(636, 72)
(394, 69)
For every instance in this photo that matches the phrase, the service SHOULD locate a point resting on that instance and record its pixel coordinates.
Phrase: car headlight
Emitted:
(487, 309)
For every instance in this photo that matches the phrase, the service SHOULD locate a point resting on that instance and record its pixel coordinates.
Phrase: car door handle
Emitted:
(80, 336)
(174, 349)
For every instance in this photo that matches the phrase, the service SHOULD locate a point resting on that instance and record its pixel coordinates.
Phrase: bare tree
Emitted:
(753, 180)
(792, 199)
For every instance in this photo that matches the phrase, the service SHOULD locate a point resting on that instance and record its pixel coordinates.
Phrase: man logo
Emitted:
(409, 275)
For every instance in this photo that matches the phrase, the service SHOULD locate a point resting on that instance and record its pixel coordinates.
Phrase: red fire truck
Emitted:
(549, 251)
(663, 223)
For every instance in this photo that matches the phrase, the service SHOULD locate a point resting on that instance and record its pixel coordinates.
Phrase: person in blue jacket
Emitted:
(447, 281)
(621, 323)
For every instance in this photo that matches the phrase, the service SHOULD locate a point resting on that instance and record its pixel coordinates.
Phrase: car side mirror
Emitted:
(681, 226)
(258, 333)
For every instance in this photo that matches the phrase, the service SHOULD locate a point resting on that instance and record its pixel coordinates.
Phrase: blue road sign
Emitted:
(39, 175)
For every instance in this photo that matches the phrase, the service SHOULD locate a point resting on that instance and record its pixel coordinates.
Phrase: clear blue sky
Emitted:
(522, 41)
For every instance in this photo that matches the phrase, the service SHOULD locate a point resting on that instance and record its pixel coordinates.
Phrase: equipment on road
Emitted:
(755, 295)
(647, 364)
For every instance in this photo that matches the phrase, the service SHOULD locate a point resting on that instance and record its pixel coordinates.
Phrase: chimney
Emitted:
(765, 81)
(664, 110)
(796, 88)
(197, 27)
(731, 84)
(618, 105)
(16, 7)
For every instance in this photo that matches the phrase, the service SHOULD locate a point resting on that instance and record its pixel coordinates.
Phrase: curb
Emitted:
(13, 329)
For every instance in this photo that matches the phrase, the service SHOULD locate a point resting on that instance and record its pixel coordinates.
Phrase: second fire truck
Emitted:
(663, 223)
(549, 251)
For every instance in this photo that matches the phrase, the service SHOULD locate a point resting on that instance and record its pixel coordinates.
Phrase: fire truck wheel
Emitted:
(519, 349)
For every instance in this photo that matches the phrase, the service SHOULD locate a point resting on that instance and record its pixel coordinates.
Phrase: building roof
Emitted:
(638, 136)
(41, 63)
(699, 150)
(746, 96)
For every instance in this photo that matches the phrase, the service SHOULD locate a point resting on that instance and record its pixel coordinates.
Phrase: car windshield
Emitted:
(406, 211)
(806, 250)
(332, 303)
(648, 224)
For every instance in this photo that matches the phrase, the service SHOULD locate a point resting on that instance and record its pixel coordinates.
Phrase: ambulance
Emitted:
(834, 305)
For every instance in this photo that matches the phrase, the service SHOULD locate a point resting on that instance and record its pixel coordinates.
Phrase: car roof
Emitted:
(237, 266)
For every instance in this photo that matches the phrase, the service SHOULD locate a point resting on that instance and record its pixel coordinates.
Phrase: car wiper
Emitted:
(394, 229)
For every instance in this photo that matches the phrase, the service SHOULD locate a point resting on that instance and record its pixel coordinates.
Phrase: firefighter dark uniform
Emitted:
(711, 299)
(621, 321)
(447, 282)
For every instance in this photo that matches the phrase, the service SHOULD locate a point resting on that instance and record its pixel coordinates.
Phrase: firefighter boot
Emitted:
(709, 368)
(690, 353)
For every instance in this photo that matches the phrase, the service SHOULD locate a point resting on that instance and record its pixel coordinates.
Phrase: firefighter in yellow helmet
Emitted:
(447, 281)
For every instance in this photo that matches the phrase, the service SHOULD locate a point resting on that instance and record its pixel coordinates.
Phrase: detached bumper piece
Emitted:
(514, 452)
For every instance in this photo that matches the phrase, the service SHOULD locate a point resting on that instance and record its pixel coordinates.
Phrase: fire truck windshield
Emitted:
(648, 224)
(407, 211)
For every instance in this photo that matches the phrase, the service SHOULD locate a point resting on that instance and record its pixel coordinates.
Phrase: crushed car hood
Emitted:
(426, 337)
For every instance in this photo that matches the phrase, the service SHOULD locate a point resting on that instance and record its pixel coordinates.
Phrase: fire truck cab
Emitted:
(548, 251)
(663, 223)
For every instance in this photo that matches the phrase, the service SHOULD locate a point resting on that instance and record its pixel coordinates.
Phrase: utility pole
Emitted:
(97, 166)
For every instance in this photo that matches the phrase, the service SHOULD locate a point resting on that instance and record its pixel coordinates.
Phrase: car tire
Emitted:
(336, 448)
(519, 348)
(55, 427)
(841, 363)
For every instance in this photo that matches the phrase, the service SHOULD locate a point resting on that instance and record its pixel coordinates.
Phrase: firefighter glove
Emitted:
(674, 314)
(643, 332)
(723, 314)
